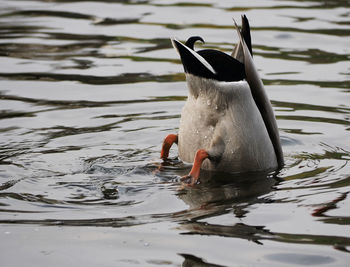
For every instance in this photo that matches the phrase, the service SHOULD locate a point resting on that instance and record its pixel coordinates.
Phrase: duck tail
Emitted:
(245, 31)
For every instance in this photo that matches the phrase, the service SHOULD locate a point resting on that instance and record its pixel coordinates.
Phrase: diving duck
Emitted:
(227, 123)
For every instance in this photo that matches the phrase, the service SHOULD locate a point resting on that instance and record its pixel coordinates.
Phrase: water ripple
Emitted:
(89, 89)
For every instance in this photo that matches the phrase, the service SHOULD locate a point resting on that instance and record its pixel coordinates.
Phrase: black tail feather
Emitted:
(246, 33)
(190, 42)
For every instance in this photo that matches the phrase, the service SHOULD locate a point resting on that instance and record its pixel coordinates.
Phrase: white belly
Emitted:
(234, 122)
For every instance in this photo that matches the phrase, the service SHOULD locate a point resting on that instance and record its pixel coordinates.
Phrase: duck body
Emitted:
(227, 123)
(223, 119)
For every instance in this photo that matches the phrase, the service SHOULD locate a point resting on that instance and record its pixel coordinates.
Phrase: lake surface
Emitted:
(88, 91)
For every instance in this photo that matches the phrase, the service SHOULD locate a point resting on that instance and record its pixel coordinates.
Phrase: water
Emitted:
(88, 90)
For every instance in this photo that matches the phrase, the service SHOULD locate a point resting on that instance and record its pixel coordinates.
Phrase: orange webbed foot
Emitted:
(193, 177)
(167, 143)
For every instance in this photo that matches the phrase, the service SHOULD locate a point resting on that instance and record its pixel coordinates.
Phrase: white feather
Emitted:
(222, 118)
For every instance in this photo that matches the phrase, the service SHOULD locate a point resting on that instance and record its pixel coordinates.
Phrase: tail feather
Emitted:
(246, 33)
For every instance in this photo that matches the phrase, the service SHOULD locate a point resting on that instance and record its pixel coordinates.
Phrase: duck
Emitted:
(227, 123)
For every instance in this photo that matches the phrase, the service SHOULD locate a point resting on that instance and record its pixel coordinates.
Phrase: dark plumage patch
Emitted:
(191, 63)
(191, 41)
(246, 33)
(226, 68)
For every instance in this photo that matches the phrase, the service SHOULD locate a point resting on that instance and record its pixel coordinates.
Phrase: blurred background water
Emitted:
(88, 91)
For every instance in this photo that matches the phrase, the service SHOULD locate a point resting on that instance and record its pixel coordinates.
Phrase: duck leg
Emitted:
(201, 155)
(214, 154)
(167, 143)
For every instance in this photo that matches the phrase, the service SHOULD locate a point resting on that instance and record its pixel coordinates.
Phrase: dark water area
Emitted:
(88, 91)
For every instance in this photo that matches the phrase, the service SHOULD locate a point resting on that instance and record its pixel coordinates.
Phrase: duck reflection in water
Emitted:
(227, 123)
(219, 192)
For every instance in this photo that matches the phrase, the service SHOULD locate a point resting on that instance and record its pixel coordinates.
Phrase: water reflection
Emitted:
(212, 199)
(224, 190)
(259, 233)
(191, 260)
